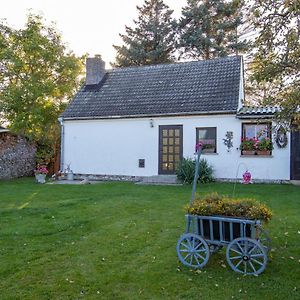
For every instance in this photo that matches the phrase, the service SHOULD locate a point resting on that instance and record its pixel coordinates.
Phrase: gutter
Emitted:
(255, 116)
(62, 142)
(183, 114)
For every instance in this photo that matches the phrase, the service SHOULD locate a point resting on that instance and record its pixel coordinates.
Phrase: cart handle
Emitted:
(198, 150)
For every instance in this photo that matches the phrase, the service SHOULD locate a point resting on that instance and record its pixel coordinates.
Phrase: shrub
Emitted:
(186, 170)
(214, 204)
(205, 172)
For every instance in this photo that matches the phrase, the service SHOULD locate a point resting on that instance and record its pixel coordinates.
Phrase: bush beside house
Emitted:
(17, 156)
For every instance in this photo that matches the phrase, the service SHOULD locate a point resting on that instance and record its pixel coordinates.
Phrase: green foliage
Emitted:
(209, 29)
(275, 64)
(186, 170)
(38, 79)
(214, 204)
(248, 144)
(265, 144)
(151, 41)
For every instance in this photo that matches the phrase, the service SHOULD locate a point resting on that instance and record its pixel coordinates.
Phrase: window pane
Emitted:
(165, 132)
(261, 131)
(207, 136)
(171, 132)
(256, 131)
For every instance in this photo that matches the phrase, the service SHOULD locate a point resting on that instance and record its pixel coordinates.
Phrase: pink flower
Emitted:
(198, 146)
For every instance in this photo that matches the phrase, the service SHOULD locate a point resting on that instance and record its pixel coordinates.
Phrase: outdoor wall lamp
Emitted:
(151, 123)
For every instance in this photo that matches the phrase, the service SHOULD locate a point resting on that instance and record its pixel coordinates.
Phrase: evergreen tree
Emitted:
(209, 29)
(152, 39)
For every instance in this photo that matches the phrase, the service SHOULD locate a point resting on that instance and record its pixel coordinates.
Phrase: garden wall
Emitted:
(17, 156)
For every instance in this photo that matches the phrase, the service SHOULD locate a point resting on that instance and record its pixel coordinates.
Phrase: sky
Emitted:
(87, 26)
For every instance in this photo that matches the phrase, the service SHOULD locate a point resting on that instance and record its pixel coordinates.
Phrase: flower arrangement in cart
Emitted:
(252, 146)
(215, 221)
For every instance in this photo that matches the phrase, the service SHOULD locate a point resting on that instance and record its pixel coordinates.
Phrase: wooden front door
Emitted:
(295, 155)
(170, 148)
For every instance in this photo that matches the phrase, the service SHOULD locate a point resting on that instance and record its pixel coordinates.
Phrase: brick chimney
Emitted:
(95, 70)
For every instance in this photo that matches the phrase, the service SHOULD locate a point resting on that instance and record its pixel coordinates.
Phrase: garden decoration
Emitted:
(246, 178)
(281, 137)
(228, 140)
(69, 172)
(41, 173)
(247, 243)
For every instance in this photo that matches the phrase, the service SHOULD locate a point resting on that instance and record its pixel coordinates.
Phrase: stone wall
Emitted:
(17, 156)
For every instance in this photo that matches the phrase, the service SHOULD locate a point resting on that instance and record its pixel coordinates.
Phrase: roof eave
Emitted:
(267, 116)
(228, 112)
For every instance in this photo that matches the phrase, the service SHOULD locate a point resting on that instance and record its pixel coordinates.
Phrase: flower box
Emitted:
(208, 150)
(263, 152)
(248, 152)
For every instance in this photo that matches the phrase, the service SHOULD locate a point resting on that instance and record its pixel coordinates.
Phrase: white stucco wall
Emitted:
(113, 147)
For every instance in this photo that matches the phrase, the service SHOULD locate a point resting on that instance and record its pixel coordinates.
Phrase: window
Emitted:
(257, 131)
(207, 136)
(256, 139)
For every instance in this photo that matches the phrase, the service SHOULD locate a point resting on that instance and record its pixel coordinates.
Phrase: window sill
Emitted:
(262, 156)
(209, 153)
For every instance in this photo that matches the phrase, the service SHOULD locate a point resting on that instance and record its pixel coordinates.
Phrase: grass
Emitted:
(117, 241)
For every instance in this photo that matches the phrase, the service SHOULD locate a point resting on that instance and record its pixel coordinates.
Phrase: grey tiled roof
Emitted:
(168, 89)
(257, 111)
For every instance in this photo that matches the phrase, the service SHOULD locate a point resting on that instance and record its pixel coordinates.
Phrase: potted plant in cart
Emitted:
(217, 221)
(264, 146)
(41, 173)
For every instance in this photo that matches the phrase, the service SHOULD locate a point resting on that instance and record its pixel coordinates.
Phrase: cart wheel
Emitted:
(192, 250)
(214, 248)
(246, 256)
(264, 239)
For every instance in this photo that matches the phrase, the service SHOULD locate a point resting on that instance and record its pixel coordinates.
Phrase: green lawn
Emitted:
(117, 241)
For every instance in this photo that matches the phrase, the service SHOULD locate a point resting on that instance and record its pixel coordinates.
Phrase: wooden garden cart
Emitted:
(247, 243)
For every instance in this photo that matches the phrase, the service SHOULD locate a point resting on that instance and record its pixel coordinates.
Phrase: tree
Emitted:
(38, 77)
(209, 29)
(152, 39)
(276, 58)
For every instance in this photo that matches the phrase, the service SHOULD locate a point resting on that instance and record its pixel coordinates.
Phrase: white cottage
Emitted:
(140, 121)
